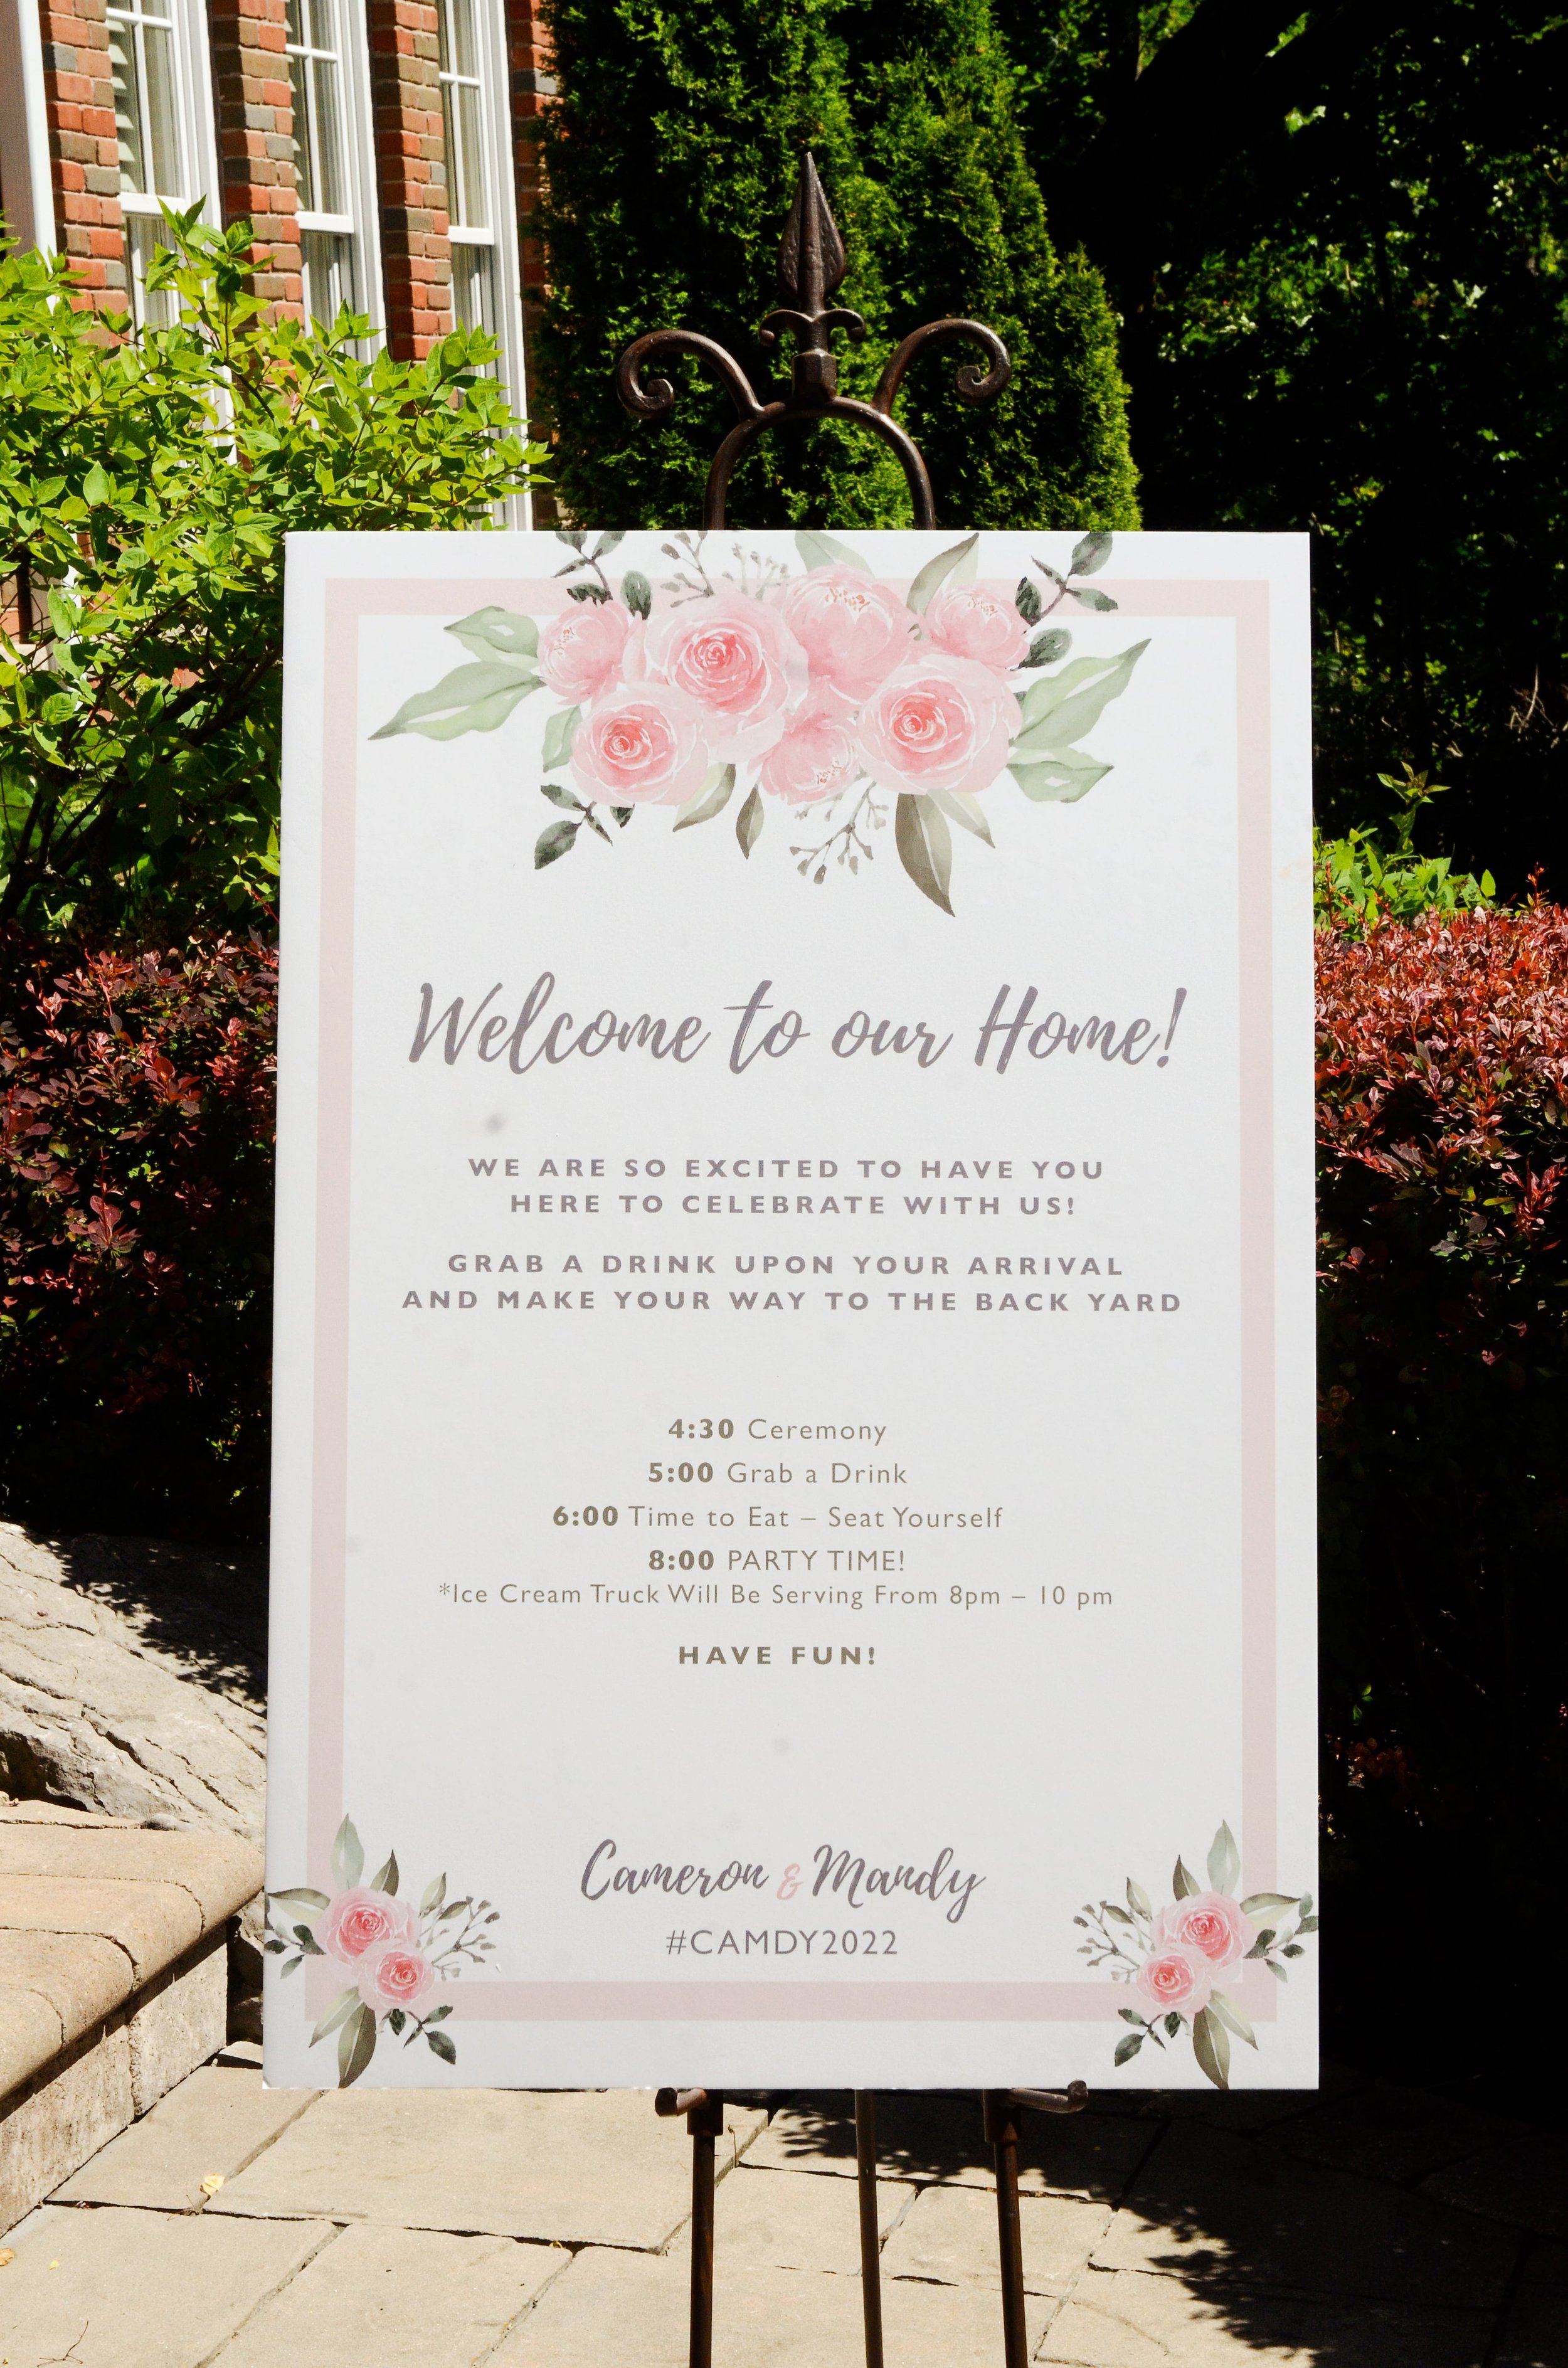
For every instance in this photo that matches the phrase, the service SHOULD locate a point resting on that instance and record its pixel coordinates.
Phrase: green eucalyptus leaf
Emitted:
(924, 846)
(559, 734)
(470, 698)
(559, 795)
(749, 821)
(1225, 1861)
(432, 1894)
(439, 2045)
(314, 1900)
(1027, 600)
(356, 2045)
(1211, 2047)
(1231, 2015)
(965, 811)
(347, 1857)
(1127, 2046)
(1059, 709)
(711, 800)
(554, 841)
(1139, 1900)
(637, 592)
(1087, 597)
(822, 550)
(492, 633)
(336, 2014)
(1182, 1884)
(1090, 555)
(1060, 778)
(936, 571)
(1048, 646)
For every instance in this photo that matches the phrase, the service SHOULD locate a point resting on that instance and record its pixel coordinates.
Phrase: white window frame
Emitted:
(501, 194)
(195, 126)
(360, 225)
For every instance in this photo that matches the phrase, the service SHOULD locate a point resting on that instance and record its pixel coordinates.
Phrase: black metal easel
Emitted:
(704, 2111)
(812, 264)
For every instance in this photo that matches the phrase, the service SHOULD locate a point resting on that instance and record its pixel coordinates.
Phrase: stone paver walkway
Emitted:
(1367, 2227)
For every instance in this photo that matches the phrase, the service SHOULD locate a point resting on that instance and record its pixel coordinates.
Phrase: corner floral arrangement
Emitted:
(1173, 1957)
(396, 1954)
(827, 691)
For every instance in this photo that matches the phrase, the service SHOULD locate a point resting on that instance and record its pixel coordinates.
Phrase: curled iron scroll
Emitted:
(812, 263)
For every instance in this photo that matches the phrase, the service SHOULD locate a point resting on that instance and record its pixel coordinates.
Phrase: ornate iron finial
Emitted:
(811, 264)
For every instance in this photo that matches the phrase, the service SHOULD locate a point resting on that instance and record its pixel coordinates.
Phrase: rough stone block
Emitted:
(219, 1871)
(179, 2021)
(142, 2289)
(209, 2127)
(948, 2235)
(764, 2219)
(625, 2306)
(1120, 2320)
(583, 2168)
(152, 1922)
(1218, 2211)
(1524, 2182)
(30, 2035)
(399, 2298)
(936, 2138)
(60, 2118)
(81, 1977)
(1392, 2132)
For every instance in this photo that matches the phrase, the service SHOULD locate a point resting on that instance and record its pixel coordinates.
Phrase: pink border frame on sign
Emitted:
(347, 601)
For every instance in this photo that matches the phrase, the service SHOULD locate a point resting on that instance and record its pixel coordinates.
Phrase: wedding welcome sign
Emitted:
(793, 1520)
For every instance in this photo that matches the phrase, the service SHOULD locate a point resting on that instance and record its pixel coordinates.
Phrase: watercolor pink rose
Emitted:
(395, 1952)
(1171, 1958)
(831, 688)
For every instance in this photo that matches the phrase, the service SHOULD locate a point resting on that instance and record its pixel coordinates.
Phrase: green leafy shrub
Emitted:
(146, 485)
(1360, 882)
(671, 160)
(1443, 1250)
(136, 1100)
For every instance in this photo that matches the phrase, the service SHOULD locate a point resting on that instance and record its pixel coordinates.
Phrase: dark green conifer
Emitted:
(671, 159)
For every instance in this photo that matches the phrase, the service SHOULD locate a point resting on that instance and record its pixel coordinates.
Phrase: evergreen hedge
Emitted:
(671, 158)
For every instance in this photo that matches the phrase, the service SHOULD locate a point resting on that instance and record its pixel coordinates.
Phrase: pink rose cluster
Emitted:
(375, 1938)
(835, 678)
(1196, 1940)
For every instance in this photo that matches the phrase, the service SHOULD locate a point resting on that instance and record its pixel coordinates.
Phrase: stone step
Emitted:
(114, 1979)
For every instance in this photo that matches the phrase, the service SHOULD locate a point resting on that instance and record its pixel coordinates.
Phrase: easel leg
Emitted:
(705, 2122)
(1001, 2130)
(871, 2246)
(704, 2111)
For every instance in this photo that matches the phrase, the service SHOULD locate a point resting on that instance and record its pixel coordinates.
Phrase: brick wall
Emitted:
(83, 148)
(411, 173)
(255, 144)
(532, 87)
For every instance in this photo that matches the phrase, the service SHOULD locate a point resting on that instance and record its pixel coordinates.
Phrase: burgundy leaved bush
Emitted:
(1442, 1086)
(136, 1115)
(136, 1242)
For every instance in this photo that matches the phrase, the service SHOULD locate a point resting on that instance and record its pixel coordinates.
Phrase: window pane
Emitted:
(470, 205)
(299, 78)
(163, 112)
(473, 287)
(143, 235)
(323, 31)
(296, 33)
(128, 106)
(460, 45)
(328, 271)
(333, 198)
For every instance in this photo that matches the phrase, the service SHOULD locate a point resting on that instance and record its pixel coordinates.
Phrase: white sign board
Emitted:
(793, 1528)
